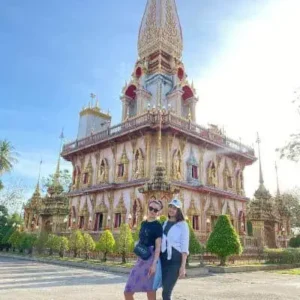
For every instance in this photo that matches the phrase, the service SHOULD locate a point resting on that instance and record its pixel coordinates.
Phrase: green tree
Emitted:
(41, 241)
(291, 202)
(7, 231)
(65, 180)
(224, 241)
(194, 246)
(3, 215)
(62, 246)
(15, 239)
(89, 245)
(52, 243)
(136, 233)
(295, 242)
(8, 156)
(27, 242)
(124, 242)
(106, 243)
(76, 242)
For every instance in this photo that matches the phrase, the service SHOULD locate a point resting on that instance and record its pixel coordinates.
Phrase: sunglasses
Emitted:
(153, 209)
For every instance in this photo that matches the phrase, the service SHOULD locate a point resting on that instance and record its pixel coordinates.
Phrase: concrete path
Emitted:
(35, 281)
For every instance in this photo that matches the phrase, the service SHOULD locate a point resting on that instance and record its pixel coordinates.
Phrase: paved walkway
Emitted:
(35, 281)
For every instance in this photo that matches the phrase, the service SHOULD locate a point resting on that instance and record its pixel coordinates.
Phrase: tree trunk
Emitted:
(201, 260)
(75, 253)
(123, 258)
(222, 261)
(86, 255)
(50, 252)
(61, 253)
(104, 256)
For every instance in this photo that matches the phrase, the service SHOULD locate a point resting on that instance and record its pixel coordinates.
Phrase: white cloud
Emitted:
(251, 87)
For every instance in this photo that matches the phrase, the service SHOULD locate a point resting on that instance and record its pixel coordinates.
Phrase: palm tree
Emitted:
(7, 156)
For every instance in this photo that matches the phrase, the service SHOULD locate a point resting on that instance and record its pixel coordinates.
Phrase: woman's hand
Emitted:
(182, 272)
(152, 270)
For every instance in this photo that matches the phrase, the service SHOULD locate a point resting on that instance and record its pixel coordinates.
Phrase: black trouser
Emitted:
(170, 273)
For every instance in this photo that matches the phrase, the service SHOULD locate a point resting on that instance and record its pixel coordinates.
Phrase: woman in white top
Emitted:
(175, 248)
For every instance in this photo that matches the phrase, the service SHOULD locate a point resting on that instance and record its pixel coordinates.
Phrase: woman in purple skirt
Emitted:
(142, 276)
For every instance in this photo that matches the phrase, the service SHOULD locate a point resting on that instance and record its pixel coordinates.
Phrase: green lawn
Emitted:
(289, 272)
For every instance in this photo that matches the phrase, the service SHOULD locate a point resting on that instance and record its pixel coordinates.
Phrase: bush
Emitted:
(162, 219)
(124, 242)
(224, 241)
(282, 256)
(76, 242)
(106, 243)
(15, 240)
(7, 232)
(295, 242)
(52, 243)
(62, 246)
(136, 233)
(194, 246)
(40, 243)
(89, 245)
(28, 241)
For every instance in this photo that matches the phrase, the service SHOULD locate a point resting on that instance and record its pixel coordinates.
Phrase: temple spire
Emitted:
(160, 29)
(57, 172)
(37, 188)
(262, 192)
(261, 178)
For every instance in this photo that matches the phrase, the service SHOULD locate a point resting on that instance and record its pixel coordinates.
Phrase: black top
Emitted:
(168, 227)
(149, 232)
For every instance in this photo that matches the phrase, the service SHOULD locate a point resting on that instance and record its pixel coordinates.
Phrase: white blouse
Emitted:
(177, 237)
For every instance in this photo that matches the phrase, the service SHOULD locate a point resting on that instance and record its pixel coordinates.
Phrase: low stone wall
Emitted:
(236, 269)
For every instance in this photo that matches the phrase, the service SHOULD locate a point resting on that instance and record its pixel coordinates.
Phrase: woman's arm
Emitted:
(152, 270)
(185, 243)
(157, 250)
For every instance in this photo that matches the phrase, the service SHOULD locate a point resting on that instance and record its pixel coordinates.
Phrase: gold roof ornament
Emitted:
(160, 29)
(94, 109)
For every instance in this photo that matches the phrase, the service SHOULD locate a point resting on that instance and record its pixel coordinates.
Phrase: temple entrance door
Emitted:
(100, 224)
(270, 238)
(48, 226)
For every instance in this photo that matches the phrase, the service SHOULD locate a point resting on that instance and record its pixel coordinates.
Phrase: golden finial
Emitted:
(93, 96)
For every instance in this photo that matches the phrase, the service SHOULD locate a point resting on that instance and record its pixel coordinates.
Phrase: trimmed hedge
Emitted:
(295, 242)
(282, 256)
(224, 240)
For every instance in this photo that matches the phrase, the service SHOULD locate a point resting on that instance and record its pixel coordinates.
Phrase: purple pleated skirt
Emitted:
(138, 281)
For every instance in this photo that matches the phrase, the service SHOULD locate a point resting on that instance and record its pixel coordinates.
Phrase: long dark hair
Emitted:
(179, 215)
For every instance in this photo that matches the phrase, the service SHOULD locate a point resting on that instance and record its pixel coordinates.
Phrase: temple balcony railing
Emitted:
(151, 120)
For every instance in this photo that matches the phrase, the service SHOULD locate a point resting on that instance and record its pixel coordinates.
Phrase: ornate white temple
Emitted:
(157, 150)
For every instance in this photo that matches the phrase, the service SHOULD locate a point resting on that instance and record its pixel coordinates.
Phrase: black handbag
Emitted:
(142, 251)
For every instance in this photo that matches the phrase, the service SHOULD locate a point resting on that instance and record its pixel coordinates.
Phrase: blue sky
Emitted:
(55, 53)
